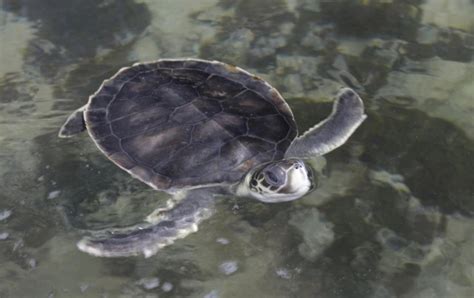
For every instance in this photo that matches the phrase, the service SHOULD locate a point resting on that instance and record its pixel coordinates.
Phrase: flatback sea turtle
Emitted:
(196, 129)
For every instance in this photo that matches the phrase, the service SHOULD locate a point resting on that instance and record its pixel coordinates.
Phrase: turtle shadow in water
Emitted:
(94, 194)
(433, 155)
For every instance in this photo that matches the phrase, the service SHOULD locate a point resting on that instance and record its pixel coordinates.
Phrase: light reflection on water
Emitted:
(393, 216)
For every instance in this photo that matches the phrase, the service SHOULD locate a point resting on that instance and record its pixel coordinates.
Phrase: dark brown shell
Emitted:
(183, 123)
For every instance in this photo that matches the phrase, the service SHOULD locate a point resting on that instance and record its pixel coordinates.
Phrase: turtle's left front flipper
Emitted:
(147, 239)
(74, 124)
(347, 115)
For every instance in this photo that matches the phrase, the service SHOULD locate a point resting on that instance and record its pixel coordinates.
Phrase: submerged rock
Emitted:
(340, 183)
(84, 287)
(384, 54)
(54, 194)
(318, 36)
(283, 273)
(167, 286)
(297, 76)
(234, 49)
(267, 46)
(440, 88)
(446, 13)
(31, 263)
(427, 34)
(395, 18)
(4, 214)
(212, 294)
(228, 267)
(4, 235)
(441, 269)
(317, 233)
(223, 241)
(396, 181)
(149, 283)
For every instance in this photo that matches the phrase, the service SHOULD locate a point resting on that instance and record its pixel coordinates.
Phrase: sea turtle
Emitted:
(196, 129)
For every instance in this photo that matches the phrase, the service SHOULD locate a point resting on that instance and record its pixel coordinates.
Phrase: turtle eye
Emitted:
(270, 177)
(275, 176)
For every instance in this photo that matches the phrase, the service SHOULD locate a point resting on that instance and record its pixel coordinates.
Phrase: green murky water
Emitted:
(392, 218)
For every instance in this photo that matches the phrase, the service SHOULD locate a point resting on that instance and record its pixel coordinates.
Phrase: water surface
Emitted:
(393, 216)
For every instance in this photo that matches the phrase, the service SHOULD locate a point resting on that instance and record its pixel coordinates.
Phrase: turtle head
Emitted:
(280, 181)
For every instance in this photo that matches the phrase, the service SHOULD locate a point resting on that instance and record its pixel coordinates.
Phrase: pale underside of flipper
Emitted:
(347, 115)
(74, 124)
(146, 239)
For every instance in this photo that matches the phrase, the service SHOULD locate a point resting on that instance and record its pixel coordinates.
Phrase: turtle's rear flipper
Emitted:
(147, 239)
(74, 124)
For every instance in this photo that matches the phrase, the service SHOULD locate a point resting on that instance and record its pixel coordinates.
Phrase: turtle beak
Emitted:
(288, 164)
(313, 177)
(299, 176)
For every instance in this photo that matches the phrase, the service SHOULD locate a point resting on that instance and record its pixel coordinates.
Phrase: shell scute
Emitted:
(190, 76)
(270, 126)
(249, 104)
(219, 87)
(101, 131)
(109, 145)
(100, 101)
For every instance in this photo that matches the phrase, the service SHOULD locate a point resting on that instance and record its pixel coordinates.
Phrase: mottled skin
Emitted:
(194, 129)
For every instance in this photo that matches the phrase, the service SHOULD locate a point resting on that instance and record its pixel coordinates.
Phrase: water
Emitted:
(393, 216)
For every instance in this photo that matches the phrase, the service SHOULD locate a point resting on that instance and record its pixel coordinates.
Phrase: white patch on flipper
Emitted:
(157, 215)
(148, 252)
(83, 245)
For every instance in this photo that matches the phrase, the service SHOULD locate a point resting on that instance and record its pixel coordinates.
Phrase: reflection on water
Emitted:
(393, 216)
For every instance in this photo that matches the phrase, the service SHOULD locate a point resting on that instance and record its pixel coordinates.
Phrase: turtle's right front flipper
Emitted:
(74, 124)
(347, 115)
(147, 239)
